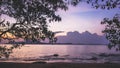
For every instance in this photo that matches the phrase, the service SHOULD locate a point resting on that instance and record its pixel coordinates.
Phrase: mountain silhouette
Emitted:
(82, 38)
(72, 37)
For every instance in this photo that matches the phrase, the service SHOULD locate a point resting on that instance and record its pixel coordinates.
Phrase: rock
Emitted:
(107, 62)
(93, 58)
(104, 55)
(56, 55)
(107, 55)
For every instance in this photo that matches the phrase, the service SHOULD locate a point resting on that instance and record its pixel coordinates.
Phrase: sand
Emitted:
(58, 65)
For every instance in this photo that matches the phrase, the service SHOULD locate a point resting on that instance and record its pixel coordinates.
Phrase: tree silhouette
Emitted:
(112, 31)
(112, 26)
(32, 18)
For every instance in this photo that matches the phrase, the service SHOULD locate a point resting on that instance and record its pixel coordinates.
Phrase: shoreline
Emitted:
(58, 65)
(56, 44)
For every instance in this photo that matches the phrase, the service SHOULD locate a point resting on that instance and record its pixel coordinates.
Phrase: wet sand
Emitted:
(58, 65)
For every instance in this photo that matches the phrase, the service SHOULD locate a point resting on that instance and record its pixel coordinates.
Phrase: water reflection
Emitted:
(71, 53)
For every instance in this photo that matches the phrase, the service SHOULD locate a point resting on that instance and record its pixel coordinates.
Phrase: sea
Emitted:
(64, 53)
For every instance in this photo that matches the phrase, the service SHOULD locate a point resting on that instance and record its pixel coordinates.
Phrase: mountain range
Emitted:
(82, 38)
(71, 38)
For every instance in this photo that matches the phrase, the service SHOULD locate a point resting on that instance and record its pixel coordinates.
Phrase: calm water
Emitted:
(66, 53)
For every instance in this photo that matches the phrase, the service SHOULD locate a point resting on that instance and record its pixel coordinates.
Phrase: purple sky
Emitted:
(82, 18)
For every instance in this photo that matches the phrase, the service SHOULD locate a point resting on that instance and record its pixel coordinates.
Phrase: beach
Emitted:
(71, 56)
(58, 65)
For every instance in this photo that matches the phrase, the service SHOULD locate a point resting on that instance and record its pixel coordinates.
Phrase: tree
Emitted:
(112, 31)
(32, 18)
(31, 21)
(112, 26)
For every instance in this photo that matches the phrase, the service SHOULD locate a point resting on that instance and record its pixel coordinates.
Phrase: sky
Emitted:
(82, 18)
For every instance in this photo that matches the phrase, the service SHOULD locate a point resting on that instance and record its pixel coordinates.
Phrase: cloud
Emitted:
(82, 38)
(59, 32)
(82, 7)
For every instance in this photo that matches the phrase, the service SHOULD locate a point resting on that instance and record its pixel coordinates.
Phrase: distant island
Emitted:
(83, 38)
(72, 38)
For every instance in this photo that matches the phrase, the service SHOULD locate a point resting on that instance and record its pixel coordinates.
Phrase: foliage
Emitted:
(5, 51)
(104, 4)
(112, 31)
(112, 26)
(31, 19)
